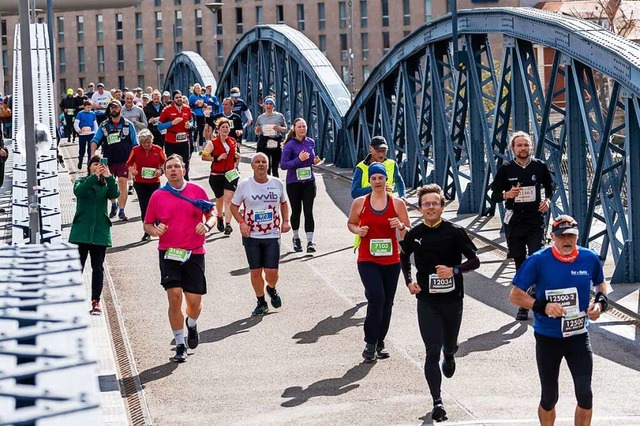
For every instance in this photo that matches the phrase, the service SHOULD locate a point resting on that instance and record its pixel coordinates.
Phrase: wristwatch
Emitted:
(456, 271)
(403, 227)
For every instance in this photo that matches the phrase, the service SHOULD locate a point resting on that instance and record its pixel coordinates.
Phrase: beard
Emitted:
(114, 114)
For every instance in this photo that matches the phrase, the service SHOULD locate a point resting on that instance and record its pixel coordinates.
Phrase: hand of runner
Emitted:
(317, 160)
(554, 310)
(303, 156)
(363, 230)
(513, 192)
(132, 171)
(394, 222)
(286, 226)
(161, 228)
(444, 271)
(201, 229)
(223, 156)
(544, 205)
(594, 310)
(177, 120)
(414, 288)
(245, 230)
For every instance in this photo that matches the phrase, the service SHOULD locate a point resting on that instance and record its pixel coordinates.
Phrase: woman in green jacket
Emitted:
(91, 229)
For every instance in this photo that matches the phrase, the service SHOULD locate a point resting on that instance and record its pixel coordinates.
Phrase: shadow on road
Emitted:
(331, 326)
(157, 372)
(492, 339)
(126, 247)
(327, 387)
(220, 333)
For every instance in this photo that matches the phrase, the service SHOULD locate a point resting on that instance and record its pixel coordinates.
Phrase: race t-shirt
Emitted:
(180, 216)
(261, 205)
(557, 280)
(101, 101)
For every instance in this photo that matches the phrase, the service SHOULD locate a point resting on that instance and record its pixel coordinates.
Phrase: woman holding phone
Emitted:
(298, 159)
(91, 229)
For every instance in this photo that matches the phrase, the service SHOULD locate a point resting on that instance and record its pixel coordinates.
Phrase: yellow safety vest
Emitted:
(388, 164)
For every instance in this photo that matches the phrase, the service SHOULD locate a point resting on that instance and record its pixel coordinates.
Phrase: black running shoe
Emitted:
(220, 225)
(130, 190)
(276, 301)
(228, 230)
(439, 414)
(297, 245)
(181, 354)
(381, 351)
(192, 336)
(523, 314)
(369, 352)
(113, 212)
(311, 248)
(261, 309)
(448, 366)
(146, 237)
(123, 216)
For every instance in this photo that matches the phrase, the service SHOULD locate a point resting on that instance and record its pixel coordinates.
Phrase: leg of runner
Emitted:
(371, 277)
(451, 321)
(194, 308)
(390, 274)
(271, 276)
(176, 319)
(123, 183)
(228, 195)
(257, 282)
(308, 196)
(294, 191)
(549, 354)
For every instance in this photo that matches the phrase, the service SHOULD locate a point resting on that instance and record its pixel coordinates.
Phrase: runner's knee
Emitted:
(584, 395)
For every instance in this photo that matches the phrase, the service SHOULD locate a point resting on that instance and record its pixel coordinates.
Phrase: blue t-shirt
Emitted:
(548, 273)
(198, 111)
(86, 119)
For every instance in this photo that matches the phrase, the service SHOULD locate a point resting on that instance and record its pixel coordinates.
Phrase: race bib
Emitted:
(179, 255)
(272, 144)
(113, 138)
(381, 247)
(70, 111)
(441, 285)
(269, 130)
(527, 194)
(148, 173)
(575, 324)
(566, 297)
(507, 216)
(181, 137)
(232, 175)
(263, 217)
(303, 173)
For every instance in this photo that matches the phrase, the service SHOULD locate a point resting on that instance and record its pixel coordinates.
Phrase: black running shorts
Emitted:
(219, 183)
(262, 252)
(189, 276)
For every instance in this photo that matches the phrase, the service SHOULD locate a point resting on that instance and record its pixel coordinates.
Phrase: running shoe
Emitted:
(220, 224)
(146, 237)
(311, 248)
(261, 309)
(276, 301)
(381, 351)
(439, 414)
(192, 336)
(181, 354)
(522, 315)
(228, 230)
(79, 165)
(297, 244)
(95, 307)
(448, 366)
(114, 211)
(123, 216)
(369, 352)
(130, 190)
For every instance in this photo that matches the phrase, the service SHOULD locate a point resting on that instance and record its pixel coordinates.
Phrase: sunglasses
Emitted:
(563, 222)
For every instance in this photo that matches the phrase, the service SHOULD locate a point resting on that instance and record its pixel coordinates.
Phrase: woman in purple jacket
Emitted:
(298, 158)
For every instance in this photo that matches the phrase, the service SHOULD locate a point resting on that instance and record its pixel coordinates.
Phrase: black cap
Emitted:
(176, 92)
(564, 224)
(379, 142)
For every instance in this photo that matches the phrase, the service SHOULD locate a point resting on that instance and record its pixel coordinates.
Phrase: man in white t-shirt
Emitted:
(100, 100)
(266, 216)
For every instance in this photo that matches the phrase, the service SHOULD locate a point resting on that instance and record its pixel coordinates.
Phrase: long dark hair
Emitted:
(292, 132)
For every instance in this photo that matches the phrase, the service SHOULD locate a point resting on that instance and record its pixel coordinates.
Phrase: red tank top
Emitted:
(380, 245)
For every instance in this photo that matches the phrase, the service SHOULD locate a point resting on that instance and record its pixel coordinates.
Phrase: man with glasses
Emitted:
(518, 183)
(564, 274)
(378, 149)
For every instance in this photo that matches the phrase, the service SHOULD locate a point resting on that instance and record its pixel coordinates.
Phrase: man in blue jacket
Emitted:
(378, 149)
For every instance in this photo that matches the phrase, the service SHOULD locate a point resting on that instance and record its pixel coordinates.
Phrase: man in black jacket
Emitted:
(152, 110)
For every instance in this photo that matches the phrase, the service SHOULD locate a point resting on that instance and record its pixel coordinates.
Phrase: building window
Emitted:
(196, 2)
(198, 22)
(365, 46)
(80, 59)
(119, 30)
(344, 48)
(80, 27)
(322, 44)
(81, 82)
(5, 62)
(199, 47)
(63, 85)
(159, 50)
(259, 15)
(177, 2)
(62, 60)
(280, 14)
(60, 29)
(385, 13)
(120, 53)
(4, 34)
(157, 3)
(428, 13)
(121, 83)
(300, 8)
(238, 20)
(345, 74)
(158, 24)
(138, 25)
(141, 81)
(100, 58)
(385, 42)
(220, 50)
(219, 23)
(178, 47)
(178, 24)
(342, 9)
(366, 72)
(322, 17)
(406, 12)
(99, 28)
(140, 56)
(364, 14)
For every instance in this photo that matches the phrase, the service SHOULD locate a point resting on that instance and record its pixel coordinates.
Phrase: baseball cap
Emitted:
(137, 89)
(166, 93)
(146, 96)
(564, 224)
(101, 85)
(69, 91)
(115, 102)
(379, 142)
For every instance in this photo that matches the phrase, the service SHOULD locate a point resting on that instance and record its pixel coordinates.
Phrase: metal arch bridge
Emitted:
(451, 126)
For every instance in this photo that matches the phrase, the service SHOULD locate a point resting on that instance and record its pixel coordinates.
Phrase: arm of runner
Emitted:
(397, 177)
(284, 210)
(356, 189)
(354, 218)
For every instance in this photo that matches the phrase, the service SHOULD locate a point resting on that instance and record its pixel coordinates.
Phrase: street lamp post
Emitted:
(158, 62)
(215, 8)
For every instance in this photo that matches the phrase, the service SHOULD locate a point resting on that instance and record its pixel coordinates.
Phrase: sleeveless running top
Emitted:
(375, 245)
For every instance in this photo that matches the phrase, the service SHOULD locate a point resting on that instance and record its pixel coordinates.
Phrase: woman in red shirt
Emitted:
(223, 153)
(145, 165)
(376, 218)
